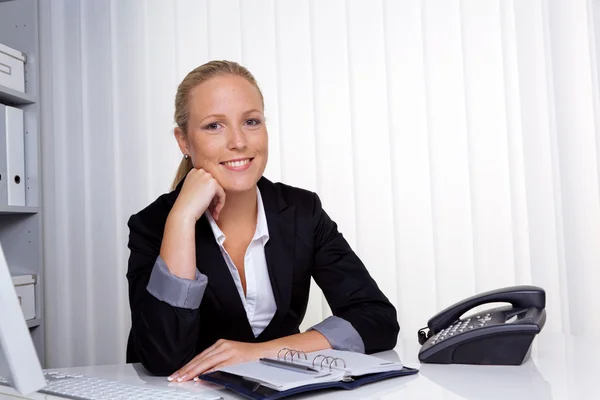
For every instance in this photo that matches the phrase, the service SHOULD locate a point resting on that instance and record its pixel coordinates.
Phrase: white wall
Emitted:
(455, 142)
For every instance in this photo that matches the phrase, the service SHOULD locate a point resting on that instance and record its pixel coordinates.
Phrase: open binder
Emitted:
(294, 372)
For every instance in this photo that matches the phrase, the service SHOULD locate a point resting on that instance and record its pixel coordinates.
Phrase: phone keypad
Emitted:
(460, 326)
(482, 320)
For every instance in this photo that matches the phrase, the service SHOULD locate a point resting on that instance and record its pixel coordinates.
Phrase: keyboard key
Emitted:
(80, 387)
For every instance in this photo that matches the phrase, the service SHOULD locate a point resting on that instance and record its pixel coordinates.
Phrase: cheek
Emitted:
(205, 152)
(260, 142)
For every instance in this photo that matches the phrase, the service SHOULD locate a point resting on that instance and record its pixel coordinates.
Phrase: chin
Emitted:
(239, 185)
(242, 181)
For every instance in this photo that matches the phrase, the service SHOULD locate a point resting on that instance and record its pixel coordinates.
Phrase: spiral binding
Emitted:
(326, 360)
(292, 353)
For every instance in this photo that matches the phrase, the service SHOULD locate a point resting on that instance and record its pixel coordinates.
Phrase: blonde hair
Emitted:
(182, 99)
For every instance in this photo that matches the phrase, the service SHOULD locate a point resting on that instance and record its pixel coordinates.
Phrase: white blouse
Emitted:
(259, 301)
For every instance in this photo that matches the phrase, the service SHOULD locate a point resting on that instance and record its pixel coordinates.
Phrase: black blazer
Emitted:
(303, 242)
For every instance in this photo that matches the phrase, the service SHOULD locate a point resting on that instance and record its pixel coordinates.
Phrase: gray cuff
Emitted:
(340, 334)
(173, 290)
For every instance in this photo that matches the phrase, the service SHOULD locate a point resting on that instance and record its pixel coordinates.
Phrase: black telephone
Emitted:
(498, 336)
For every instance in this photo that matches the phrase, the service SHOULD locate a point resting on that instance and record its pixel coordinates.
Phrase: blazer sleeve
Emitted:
(350, 290)
(163, 336)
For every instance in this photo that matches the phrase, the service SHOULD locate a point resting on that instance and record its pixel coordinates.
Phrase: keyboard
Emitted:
(80, 387)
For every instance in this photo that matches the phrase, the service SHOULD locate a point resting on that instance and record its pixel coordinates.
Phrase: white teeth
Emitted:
(237, 163)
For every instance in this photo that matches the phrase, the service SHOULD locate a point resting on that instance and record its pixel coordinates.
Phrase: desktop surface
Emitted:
(560, 367)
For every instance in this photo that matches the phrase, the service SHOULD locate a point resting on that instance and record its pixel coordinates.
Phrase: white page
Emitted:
(278, 378)
(356, 363)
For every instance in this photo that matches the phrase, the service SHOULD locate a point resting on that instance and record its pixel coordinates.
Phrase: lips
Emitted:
(239, 164)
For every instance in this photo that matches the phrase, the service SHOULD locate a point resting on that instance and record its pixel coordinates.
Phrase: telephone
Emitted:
(497, 336)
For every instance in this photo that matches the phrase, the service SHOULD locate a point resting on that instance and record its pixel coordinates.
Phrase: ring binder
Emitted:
(294, 371)
(328, 360)
(279, 352)
(315, 359)
(324, 360)
(298, 352)
(341, 359)
(292, 353)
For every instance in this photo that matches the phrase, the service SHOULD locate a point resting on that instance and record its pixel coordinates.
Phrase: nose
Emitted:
(237, 139)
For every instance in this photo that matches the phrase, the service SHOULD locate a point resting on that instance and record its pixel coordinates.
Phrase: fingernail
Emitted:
(182, 378)
(175, 375)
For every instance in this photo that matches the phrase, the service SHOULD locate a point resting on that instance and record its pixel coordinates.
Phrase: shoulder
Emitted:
(280, 195)
(296, 196)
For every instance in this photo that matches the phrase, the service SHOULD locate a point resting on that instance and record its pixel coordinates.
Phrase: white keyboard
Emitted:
(81, 387)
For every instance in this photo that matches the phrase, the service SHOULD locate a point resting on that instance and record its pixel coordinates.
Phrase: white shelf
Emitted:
(14, 97)
(32, 323)
(18, 210)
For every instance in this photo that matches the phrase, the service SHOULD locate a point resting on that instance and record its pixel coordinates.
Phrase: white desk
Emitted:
(561, 367)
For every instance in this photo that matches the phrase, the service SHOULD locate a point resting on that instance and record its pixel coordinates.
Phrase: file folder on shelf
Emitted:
(3, 158)
(12, 156)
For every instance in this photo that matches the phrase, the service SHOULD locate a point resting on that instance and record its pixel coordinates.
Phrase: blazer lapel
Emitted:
(220, 282)
(279, 251)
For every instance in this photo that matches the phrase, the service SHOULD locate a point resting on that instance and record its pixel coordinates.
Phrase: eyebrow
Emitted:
(223, 115)
(212, 116)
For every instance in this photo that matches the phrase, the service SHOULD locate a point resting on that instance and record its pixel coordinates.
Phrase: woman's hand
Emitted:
(199, 192)
(222, 353)
(227, 352)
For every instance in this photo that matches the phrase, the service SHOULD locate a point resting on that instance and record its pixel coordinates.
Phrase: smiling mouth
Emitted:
(237, 163)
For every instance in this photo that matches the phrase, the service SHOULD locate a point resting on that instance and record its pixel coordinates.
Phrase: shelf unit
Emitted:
(21, 226)
(13, 98)
(4, 209)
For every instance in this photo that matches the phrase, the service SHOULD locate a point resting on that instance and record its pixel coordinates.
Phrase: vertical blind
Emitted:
(455, 143)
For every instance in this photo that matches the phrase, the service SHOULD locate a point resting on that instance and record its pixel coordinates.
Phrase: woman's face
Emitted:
(227, 136)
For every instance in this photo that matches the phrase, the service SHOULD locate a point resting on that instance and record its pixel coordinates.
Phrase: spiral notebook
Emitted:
(293, 372)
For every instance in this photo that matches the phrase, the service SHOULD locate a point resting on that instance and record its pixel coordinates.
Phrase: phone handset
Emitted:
(496, 336)
(524, 296)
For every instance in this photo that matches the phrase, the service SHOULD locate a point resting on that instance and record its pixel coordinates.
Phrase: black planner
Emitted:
(294, 372)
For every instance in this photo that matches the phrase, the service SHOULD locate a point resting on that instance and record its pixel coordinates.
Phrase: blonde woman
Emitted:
(219, 270)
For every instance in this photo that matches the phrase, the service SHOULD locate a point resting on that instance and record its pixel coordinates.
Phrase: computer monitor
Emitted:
(19, 362)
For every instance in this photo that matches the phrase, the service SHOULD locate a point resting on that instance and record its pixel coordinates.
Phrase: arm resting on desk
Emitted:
(350, 290)
(340, 334)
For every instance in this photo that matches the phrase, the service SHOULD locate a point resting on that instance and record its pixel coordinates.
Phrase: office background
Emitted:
(455, 142)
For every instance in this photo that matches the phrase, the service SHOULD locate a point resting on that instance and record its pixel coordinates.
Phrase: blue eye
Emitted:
(253, 122)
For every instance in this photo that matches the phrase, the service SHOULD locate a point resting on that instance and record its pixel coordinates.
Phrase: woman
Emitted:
(220, 268)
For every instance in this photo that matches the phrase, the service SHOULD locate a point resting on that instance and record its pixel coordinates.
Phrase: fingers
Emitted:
(183, 374)
(204, 365)
(213, 205)
(211, 349)
(213, 369)
(220, 196)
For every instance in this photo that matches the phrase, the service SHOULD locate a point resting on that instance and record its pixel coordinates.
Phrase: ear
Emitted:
(182, 141)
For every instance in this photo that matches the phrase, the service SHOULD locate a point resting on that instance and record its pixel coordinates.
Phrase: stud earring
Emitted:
(186, 156)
